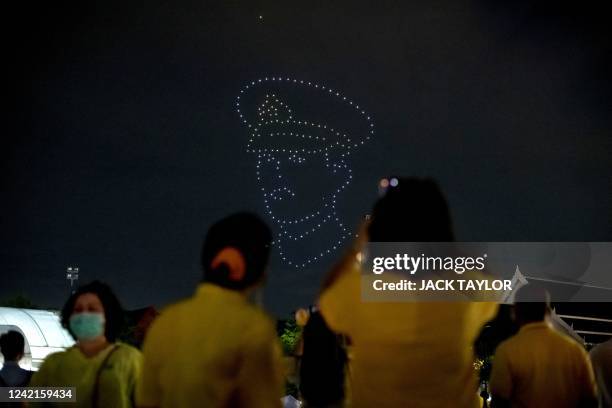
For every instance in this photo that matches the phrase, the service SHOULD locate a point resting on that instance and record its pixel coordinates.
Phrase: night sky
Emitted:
(122, 142)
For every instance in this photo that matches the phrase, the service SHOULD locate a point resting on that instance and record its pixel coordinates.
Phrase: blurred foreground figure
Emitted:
(103, 370)
(322, 366)
(540, 367)
(601, 356)
(12, 346)
(413, 354)
(216, 349)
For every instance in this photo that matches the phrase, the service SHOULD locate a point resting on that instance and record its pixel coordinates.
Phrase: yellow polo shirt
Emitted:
(211, 350)
(416, 354)
(540, 367)
(71, 368)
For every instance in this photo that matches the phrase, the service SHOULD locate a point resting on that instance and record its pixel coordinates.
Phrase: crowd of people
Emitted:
(217, 349)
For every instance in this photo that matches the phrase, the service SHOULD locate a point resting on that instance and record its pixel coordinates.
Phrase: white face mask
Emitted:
(87, 326)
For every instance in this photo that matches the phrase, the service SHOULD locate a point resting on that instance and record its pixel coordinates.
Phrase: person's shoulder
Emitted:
(604, 348)
(568, 345)
(59, 356)
(575, 346)
(506, 345)
(176, 307)
(127, 350)
(258, 322)
(258, 316)
(564, 339)
(346, 285)
(25, 371)
(54, 361)
(169, 313)
(126, 357)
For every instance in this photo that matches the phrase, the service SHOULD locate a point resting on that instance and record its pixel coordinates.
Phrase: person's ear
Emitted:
(233, 259)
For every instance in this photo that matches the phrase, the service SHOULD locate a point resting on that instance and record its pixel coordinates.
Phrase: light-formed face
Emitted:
(302, 154)
(291, 191)
(290, 152)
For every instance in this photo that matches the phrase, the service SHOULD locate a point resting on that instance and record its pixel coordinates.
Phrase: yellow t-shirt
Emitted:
(71, 368)
(212, 350)
(416, 354)
(540, 367)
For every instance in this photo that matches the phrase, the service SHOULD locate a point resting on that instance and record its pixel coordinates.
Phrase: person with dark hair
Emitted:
(322, 365)
(12, 346)
(236, 251)
(414, 210)
(538, 366)
(103, 370)
(215, 349)
(416, 353)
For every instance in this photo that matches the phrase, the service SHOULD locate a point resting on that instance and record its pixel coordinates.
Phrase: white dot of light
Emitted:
(267, 113)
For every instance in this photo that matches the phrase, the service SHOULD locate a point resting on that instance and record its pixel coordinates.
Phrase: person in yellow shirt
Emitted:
(103, 370)
(540, 367)
(413, 354)
(216, 349)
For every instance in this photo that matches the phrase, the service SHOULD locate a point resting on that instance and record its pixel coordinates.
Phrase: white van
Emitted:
(42, 331)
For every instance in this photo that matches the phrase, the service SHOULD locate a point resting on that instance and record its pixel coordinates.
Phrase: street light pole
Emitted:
(72, 274)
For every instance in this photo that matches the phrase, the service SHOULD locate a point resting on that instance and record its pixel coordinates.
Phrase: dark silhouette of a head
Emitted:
(250, 237)
(411, 210)
(12, 345)
(531, 304)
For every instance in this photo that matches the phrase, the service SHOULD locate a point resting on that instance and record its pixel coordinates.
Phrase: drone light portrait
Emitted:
(296, 127)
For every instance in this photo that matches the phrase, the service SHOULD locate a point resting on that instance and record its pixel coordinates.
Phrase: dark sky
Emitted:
(122, 144)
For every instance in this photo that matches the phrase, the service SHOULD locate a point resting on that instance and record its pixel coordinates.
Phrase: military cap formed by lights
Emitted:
(280, 137)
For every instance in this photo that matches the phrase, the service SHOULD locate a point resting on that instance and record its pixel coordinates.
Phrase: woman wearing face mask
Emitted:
(103, 370)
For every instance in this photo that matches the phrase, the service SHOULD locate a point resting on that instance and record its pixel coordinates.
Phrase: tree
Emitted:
(20, 301)
(290, 336)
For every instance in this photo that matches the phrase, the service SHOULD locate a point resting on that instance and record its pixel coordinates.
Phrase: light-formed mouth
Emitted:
(300, 228)
(324, 212)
